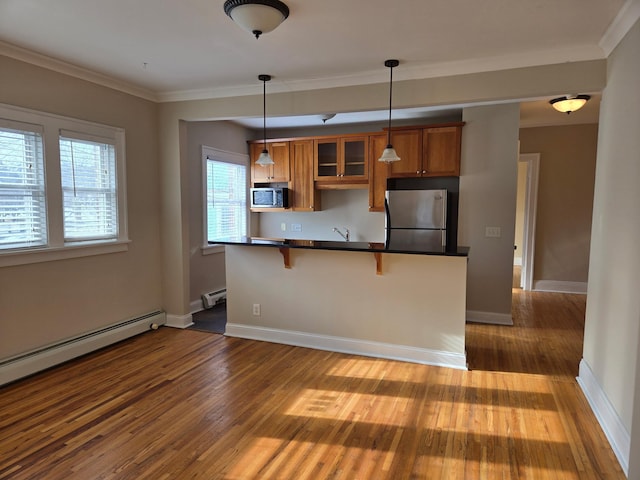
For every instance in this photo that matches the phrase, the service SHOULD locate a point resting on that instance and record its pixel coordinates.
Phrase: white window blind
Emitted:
(226, 200)
(23, 221)
(89, 189)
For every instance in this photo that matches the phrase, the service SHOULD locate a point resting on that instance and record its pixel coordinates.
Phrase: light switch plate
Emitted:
(296, 227)
(492, 232)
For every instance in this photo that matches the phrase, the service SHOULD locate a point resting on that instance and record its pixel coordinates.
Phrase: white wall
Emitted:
(340, 208)
(488, 181)
(612, 325)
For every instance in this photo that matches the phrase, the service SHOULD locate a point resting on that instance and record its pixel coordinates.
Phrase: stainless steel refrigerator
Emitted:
(416, 219)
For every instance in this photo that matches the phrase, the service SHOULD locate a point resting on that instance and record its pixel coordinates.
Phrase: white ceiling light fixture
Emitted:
(257, 16)
(389, 154)
(569, 103)
(264, 159)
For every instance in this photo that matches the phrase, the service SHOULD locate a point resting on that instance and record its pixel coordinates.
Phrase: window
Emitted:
(88, 171)
(225, 176)
(22, 188)
(62, 187)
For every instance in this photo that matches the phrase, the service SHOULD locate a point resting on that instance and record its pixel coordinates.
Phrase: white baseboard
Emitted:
(179, 321)
(489, 317)
(37, 360)
(559, 286)
(349, 345)
(614, 430)
(196, 306)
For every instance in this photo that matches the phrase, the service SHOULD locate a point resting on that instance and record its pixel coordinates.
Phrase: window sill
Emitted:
(37, 255)
(210, 249)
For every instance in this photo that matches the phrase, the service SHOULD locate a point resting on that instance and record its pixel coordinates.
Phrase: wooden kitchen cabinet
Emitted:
(341, 160)
(408, 146)
(303, 195)
(279, 171)
(427, 152)
(441, 151)
(378, 173)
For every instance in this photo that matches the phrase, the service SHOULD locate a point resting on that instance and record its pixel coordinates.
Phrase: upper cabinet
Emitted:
(441, 151)
(341, 160)
(427, 152)
(279, 171)
(304, 196)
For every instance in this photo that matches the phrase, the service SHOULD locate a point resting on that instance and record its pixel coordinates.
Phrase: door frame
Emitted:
(530, 212)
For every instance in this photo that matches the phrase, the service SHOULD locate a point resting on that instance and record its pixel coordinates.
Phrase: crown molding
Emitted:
(33, 58)
(626, 18)
(402, 73)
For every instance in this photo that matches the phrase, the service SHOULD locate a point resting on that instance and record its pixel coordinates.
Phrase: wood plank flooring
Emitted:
(184, 404)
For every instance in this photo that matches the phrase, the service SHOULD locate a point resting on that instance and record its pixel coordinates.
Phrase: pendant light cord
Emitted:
(264, 112)
(390, 92)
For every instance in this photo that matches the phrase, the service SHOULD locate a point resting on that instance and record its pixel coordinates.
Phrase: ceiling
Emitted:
(167, 50)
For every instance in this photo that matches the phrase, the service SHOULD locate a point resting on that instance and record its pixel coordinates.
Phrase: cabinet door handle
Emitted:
(418, 172)
(424, 171)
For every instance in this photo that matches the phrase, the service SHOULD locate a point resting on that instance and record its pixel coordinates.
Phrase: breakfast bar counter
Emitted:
(411, 307)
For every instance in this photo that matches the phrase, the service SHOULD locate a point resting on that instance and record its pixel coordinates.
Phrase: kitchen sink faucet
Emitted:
(343, 235)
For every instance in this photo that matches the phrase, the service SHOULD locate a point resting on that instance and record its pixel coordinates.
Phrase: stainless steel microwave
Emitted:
(270, 197)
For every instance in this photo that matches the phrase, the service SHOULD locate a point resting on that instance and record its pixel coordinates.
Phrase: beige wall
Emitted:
(481, 87)
(45, 302)
(337, 295)
(565, 199)
(206, 272)
(612, 324)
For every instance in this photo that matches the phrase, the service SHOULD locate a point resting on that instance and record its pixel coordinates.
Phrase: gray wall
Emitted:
(488, 181)
(612, 325)
(206, 272)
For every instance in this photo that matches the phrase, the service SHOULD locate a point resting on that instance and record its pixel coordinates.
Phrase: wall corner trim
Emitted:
(611, 424)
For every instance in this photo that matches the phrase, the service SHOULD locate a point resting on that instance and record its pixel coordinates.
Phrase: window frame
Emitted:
(210, 153)
(56, 248)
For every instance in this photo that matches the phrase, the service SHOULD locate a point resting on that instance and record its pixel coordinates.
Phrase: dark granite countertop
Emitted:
(342, 246)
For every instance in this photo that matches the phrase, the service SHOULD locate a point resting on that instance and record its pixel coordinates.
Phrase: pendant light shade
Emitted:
(389, 154)
(264, 159)
(569, 103)
(257, 16)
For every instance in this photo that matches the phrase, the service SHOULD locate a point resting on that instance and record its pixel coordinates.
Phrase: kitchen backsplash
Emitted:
(340, 208)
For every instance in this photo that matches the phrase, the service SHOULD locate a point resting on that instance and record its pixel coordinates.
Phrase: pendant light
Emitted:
(569, 103)
(264, 159)
(257, 16)
(389, 155)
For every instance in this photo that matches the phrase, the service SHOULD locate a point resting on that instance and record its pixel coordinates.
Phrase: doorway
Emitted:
(527, 200)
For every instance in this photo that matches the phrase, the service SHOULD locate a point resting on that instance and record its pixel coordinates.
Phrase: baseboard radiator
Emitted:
(209, 300)
(40, 359)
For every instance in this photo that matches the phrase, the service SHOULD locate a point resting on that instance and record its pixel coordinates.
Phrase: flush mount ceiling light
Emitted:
(569, 103)
(264, 159)
(257, 16)
(389, 154)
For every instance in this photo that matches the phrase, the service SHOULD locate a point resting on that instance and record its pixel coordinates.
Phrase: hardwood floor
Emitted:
(183, 404)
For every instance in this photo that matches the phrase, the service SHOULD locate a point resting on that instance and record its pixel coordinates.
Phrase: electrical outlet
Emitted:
(256, 309)
(296, 227)
(492, 232)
